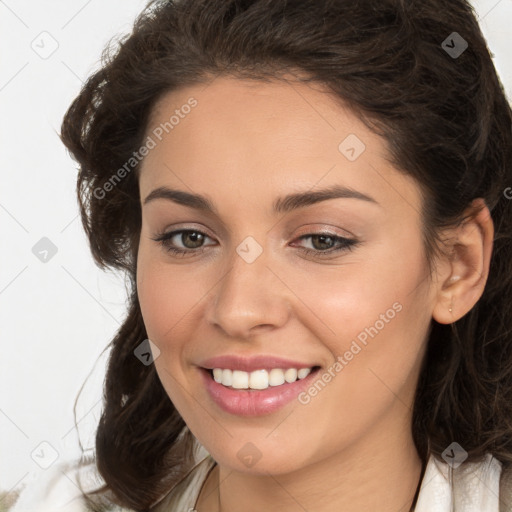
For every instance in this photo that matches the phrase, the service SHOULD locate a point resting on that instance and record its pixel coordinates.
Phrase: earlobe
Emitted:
(469, 256)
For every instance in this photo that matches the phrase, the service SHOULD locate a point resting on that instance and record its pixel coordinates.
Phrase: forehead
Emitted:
(283, 110)
(253, 138)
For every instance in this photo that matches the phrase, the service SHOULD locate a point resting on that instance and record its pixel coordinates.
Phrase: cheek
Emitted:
(373, 317)
(374, 323)
(367, 298)
(168, 296)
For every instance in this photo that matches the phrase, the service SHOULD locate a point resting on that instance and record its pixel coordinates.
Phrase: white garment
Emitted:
(471, 487)
(474, 487)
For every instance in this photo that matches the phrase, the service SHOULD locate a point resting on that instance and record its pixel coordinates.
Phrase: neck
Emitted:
(376, 473)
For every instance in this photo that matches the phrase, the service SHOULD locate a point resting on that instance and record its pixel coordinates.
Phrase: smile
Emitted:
(258, 379)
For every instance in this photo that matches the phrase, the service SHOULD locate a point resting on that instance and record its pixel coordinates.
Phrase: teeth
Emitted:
(259, 379)
(227, 378)
(290, 375)
(276, 377)
(240, 380)
(303, 372)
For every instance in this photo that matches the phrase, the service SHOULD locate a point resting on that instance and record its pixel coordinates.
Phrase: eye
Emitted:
(191, 241)
(327, 243)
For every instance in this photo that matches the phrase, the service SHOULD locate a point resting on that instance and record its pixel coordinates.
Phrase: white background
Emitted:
(57, 317)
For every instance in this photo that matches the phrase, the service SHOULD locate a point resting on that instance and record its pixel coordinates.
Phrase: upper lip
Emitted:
(252, 363)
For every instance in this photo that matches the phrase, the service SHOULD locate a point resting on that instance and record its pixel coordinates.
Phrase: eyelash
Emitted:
(344, 243)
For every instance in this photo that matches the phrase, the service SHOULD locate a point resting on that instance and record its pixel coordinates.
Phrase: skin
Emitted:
(245, 144)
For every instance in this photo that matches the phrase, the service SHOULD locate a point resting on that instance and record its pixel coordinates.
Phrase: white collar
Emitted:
(470, 487)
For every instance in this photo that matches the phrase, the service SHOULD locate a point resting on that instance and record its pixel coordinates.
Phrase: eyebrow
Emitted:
(281, 205)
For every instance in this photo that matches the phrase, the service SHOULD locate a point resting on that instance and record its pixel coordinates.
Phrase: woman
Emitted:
(310, 200)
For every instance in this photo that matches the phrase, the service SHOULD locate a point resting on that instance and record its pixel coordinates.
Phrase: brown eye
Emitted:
(327, 243)
(322, 242)
(182, 241)
(191, 239)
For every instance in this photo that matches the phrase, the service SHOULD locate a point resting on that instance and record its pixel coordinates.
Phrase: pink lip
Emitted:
(250, 364)
(250, 402)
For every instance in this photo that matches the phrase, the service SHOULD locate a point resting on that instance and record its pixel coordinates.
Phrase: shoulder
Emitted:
(58, 488)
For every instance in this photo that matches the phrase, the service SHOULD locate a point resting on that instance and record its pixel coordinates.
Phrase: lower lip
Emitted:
(250, 402)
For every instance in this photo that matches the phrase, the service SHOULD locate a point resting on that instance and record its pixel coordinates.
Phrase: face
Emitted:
(306, 252)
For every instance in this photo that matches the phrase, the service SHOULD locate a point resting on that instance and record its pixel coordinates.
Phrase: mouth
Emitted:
(256, 384)
(258, 392)
(260, 379)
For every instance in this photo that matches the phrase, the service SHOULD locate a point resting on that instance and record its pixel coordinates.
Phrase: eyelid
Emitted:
(187, 227)
(342, 243)
(313, 228)
(324, 229)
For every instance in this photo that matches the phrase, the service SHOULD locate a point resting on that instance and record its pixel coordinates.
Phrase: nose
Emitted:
(249, 299)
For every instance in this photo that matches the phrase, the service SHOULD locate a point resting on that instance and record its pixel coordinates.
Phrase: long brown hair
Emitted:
(447, 123)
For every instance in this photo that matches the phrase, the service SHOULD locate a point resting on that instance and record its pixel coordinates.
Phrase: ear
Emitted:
(466, 264)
